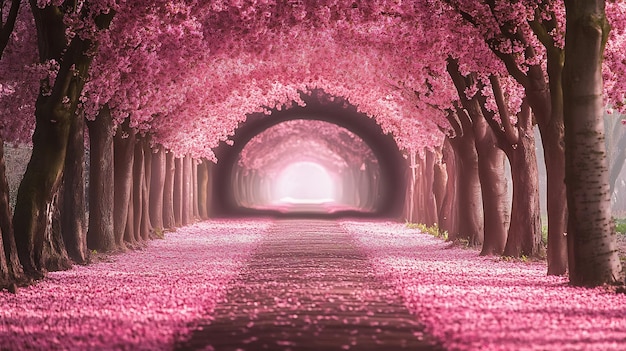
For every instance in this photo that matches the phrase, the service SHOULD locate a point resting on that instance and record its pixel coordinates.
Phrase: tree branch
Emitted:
(510, 132)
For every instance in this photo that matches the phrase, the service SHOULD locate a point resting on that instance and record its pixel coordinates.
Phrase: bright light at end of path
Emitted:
(304, 183)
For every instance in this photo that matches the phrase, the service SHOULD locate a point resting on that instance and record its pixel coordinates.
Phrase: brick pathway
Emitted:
(308, 287)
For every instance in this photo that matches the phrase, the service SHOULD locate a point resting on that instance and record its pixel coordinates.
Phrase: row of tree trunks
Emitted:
(152, 191)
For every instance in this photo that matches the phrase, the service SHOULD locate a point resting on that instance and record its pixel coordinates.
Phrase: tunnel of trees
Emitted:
(385, 157)
(160, 90)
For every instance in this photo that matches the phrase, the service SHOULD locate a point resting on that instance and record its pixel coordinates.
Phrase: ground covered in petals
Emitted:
(146, 299)
(486, 303)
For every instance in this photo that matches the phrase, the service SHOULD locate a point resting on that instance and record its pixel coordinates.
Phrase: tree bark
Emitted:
(124, 156)
(168, 192)
(157, 184)
(591, 230)
(101, 236)
(74, 219)
(178, 192)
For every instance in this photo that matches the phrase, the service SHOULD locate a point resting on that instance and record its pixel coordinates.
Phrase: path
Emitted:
(308, 287)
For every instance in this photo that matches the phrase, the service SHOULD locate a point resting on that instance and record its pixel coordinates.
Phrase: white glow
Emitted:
(304, 183)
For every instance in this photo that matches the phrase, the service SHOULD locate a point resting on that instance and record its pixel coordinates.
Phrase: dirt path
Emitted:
(308, 287)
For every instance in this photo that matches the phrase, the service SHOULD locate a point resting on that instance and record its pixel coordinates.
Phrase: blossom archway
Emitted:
(386, 166)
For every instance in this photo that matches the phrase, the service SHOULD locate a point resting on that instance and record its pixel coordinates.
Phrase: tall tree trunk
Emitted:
(493, 185)
(186, 208)
(178, 192)
(124, 156)
(430, 203)
(210, 189)
(469, 204)
(138, 185)
(168, 192)
(146, 225)
(524, 236)
(10, 267)
(74, 219)
(157, 184)
(448, 215)
(194, 182)
(203, 183)
(129, 231)
(411, 193)
(101, 236)
(590, 226)
(618, 160)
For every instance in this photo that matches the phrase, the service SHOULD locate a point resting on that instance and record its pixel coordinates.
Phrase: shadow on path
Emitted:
(308, 287)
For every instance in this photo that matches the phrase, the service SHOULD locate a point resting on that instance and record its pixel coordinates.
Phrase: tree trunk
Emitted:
(210, 186)
(101, 236)
(428, 178)
(203, 183)
(138, 185)
(129, 231)
(35, 194)
(124, 155)
(411, 192)
(187, 190)
(157, 184)
(54, 254)
(493, 185)
(440, 183)
(10, 267)
(590, 226)
(168, 192)
(178, 192)
(146, 225)
(186, 208)
(194, 182)
(618, 160)
(469, 204)
(74, 219)
(448, 215)
(524, 236)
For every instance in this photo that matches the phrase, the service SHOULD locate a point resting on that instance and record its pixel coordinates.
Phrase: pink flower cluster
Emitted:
(140, 300)
(487, 303)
